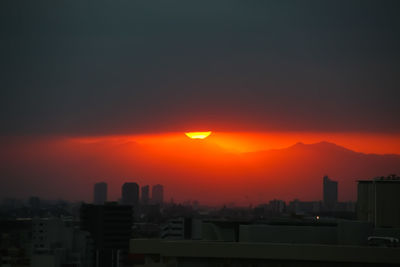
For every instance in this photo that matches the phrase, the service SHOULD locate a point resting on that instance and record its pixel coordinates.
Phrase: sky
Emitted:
(123, 67)
(261, 74)
(223, 168)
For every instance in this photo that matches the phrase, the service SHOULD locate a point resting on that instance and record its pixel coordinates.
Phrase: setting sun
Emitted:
(198, 135)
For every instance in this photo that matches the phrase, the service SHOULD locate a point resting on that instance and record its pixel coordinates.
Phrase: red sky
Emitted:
(261, 74)
(215, 170)
(255, 141)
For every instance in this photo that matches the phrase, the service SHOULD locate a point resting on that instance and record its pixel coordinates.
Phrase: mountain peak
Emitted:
(323, 145)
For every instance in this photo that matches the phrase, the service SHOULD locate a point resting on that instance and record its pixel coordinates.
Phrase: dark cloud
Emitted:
(98, 67)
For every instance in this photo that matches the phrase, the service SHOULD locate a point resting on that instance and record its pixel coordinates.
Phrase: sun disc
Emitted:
(198, 135)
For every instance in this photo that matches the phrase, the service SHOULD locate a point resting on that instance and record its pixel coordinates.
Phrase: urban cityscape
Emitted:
(212, 133)
(133, 231)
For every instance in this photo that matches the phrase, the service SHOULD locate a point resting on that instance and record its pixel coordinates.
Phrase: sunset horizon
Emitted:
(199, 133)
(219, 158)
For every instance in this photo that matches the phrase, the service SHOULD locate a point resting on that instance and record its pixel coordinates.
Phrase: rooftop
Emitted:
(265, 251)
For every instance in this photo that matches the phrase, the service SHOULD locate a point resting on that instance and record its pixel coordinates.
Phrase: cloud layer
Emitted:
(101, 67)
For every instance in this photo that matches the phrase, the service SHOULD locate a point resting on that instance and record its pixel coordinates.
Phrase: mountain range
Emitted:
(189, 170)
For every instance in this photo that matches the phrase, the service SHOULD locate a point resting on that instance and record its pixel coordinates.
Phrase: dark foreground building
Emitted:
(291, 243)
(110, 226)
(378, 201)
(190, 253)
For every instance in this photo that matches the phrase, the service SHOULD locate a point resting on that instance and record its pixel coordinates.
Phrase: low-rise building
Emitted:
(187, 253)
(57, 242)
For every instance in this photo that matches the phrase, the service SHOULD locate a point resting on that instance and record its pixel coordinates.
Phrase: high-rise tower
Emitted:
(100, 193)
(130, 194)
(145, 197)
(157, 194)
(330, 193)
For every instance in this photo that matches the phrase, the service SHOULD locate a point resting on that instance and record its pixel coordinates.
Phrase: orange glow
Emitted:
(198, 135)
(245, 167)
(243, 142)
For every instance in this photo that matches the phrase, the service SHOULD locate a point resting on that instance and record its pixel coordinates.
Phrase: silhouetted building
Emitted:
(100, 193)
(229, 243)
(157, 194)
(330, 193)
(34, 203)
(309, 207)
(15, 242)
(110, 226)
(130, 194)
(57, 243)
(277, 206)
(378, 201)
(174, 229)
(145, 197)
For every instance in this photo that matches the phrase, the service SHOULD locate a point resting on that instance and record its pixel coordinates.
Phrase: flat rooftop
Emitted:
(265, 251)
(379, 181)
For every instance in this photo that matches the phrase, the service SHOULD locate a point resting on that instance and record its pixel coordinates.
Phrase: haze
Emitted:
(100, 90)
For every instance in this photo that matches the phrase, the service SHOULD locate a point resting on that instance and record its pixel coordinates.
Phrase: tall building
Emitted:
(130, 194)
(157, 194)
(145, 197)
(110, 227)
(100, 193)
(378, 201)
(330, 193)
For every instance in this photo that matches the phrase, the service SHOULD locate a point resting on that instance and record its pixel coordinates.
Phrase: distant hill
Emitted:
(189, 169)
(300, 168)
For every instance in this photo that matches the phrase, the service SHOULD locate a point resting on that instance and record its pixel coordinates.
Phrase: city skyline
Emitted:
(199, 133)
(205, 164)
(109, 91)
